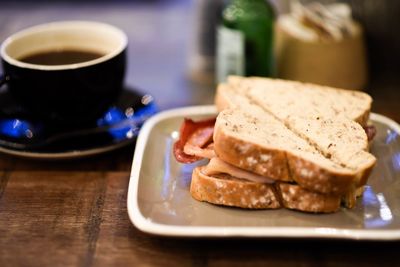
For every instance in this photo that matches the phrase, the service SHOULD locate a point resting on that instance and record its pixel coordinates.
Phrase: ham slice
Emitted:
(217, 166)
(207, 152)
(194, 140)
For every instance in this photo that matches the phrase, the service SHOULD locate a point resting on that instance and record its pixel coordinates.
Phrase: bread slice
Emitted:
(297, 198)
(284, 98)
(261, 144)
(337, 137)
(235, 192)
(343, 141)
(229, 98)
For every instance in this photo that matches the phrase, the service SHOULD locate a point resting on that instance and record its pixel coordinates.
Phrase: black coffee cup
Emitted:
(65, 73)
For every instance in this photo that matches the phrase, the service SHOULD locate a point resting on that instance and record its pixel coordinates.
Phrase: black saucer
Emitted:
(22, 135)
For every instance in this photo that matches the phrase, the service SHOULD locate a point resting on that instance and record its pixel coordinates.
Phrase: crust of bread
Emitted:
(350, 198)
(233, 192)
(297, 198)
(221, 99)
(363, 118)
(313, 177)
(230, 150)
(228, 191)
(281, 165)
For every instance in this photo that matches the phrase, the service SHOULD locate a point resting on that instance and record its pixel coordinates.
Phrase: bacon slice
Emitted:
(193, 138)
(217, 166)
(370, 131)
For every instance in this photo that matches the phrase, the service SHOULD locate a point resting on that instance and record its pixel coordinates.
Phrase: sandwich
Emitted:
(280, 144)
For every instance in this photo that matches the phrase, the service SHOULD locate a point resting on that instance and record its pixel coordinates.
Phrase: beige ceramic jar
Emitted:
(338, 63)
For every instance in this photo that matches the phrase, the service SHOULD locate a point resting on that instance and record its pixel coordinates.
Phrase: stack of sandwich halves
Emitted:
(279, 143)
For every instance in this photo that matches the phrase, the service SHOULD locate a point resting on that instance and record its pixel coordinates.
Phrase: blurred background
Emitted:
(172, 42)
(379, 19)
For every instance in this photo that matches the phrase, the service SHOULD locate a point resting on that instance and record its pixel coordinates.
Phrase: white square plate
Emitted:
(159, 201)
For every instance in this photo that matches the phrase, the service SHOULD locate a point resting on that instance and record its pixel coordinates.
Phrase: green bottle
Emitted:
(245, 40)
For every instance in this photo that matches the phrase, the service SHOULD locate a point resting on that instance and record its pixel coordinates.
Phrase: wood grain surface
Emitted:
(74, 212)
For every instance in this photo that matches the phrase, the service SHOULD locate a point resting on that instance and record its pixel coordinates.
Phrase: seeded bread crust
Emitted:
(228, 191)
(267, 162)
(316, 178)
(280, 165)
(297, 198)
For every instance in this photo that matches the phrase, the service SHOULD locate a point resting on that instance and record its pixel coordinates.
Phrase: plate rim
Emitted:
(73, 154)
(150, 227)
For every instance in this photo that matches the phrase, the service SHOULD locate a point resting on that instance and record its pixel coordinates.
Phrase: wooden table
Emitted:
(73, 213)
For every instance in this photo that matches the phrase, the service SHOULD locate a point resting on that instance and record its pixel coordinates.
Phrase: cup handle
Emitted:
(4, 79)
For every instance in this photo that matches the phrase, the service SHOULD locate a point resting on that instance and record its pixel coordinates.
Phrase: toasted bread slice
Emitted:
(260, 144)
(226, 190)
(285, 98)
(339, 139)
(297, 198)
(343, 141)
(235, 192)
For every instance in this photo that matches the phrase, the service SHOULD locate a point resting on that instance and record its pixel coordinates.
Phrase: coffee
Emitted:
(61, 57)
(77, 72)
